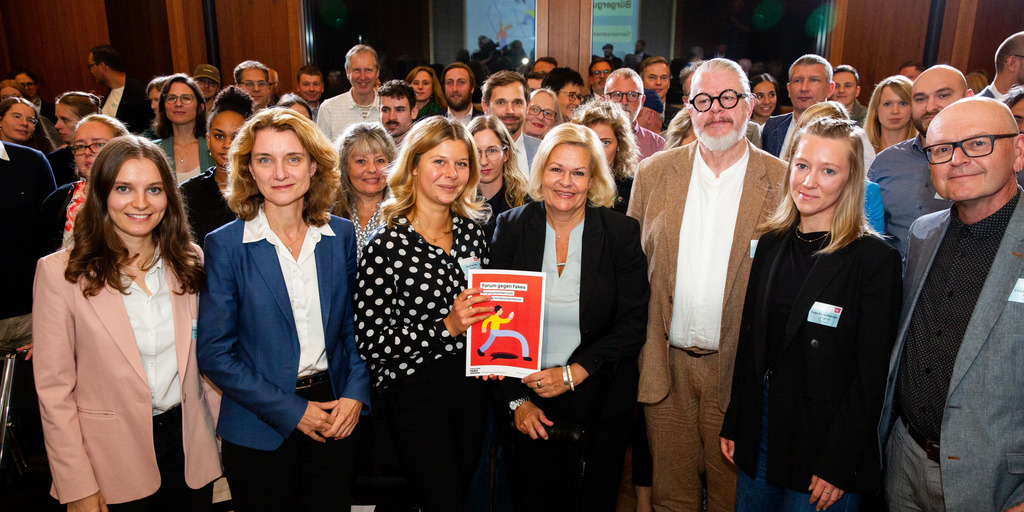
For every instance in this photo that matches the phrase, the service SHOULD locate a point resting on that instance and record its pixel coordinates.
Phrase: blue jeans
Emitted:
(755, 494)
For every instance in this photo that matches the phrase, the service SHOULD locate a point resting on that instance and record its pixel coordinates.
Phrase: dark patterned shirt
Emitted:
(404, 291)
(941, 315)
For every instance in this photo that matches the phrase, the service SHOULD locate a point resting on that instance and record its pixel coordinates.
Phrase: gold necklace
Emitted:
(811, 240)
(423, 231)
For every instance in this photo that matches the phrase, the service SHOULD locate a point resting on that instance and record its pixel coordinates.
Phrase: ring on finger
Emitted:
(538, 384)
(828, 492)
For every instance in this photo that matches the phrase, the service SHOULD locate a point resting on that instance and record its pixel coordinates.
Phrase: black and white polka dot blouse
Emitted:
(404, 290)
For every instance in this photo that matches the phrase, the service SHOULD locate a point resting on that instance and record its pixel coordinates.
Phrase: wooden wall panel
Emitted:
(138, 30)
(53, 37)
(995, 21)
(188, 38)
(879, 35)
(563, 32)
(263, 30)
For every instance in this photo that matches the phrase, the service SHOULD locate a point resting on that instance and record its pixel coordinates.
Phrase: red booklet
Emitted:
(510, 340)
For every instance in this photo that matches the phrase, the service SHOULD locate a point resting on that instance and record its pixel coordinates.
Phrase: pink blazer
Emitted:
(94, 397)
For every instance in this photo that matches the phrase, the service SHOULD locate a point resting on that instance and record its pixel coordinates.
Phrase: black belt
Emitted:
(930, 447)
(312, 380)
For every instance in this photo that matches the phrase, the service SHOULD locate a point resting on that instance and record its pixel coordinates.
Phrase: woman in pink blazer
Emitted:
(127, 418)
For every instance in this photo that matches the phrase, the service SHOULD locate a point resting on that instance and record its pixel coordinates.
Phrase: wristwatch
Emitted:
(514, 404)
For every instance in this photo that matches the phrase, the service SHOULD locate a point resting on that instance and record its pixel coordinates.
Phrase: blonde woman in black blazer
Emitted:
(612, 315)
(819, 322)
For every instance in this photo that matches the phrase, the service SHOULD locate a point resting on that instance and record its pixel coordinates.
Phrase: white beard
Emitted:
(724, 142)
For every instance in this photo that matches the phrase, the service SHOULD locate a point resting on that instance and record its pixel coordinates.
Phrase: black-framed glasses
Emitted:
(80, 148)
(601, 72)
(185, 99)
(491, 153)
(727, 99)
(547, 114)
(616, 96)
(572, 95)
(974, 147)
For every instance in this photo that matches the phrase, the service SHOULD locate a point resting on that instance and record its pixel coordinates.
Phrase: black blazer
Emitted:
(134, 110)
(827, 384)
(773, 135)
(613, 284)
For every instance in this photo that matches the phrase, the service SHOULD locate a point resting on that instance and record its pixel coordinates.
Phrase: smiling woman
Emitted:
(293, 385)
(122, 400)
(181, 126)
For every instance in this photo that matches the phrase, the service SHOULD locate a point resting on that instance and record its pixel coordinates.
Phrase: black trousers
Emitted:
(174, 494)
(565, 475)
(301, 474)
(437, 417)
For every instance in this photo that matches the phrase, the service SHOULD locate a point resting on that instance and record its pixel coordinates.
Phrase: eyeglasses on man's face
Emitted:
(974, 147)
(727, 99)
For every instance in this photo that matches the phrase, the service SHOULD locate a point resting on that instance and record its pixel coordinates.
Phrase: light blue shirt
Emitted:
(562, 318)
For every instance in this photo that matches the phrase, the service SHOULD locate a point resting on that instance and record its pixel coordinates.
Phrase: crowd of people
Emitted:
(817, 309)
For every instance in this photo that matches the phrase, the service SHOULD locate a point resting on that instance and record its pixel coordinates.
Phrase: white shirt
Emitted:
(152, 320)
(702, 260)
(113, 101)
(521, 160)
(465, 120)
(300, 279)
(340, 111)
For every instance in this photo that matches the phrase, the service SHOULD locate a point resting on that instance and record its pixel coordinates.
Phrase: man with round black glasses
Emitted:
(700, 207)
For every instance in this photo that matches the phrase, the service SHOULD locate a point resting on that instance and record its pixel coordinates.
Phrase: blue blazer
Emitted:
(773, 135)
(247, 343)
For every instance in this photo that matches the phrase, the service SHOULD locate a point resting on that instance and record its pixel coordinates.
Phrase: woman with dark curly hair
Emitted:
(127, 417)
(181, 126)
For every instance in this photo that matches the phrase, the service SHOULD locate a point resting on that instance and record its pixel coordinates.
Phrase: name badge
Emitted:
(824, 314)
(468, 263)
(753, 247)
(195, 330)
(1017, 295)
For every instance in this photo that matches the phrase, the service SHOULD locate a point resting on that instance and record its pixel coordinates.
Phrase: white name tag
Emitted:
(824, 314)
(1017, 295)
(753, 247)
(468, 263)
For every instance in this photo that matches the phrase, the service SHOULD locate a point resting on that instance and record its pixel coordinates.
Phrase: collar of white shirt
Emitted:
(259, 228)
(3, 153)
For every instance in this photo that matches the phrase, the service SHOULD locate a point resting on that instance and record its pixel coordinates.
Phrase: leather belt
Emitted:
(930, 447)
(312, 380)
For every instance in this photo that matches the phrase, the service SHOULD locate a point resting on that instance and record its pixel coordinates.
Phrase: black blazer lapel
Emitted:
(822, 273)
(593, 242)
(534, 233)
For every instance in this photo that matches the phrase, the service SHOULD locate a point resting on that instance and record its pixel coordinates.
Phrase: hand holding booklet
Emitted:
(508, 342)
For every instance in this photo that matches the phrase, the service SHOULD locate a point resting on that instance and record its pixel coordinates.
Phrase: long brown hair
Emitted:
(98, 252)
(437, 96)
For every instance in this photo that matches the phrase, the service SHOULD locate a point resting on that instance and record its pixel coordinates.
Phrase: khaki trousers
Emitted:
(683, 430)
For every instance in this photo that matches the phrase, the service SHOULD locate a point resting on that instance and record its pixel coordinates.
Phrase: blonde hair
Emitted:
(900, 85)
(602, 191)
(244, 197)
(627, 156)
(848, 223)
(359, 138)
(679, 129)
(832, 109)
(424, 136)
(512, 177)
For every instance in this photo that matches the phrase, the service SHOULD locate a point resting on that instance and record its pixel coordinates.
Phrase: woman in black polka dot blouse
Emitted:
(412, 310)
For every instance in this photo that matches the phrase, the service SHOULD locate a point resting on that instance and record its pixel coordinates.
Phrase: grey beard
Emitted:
(724, 142)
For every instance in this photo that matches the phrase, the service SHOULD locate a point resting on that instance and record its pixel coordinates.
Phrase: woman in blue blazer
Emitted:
(819, 322)
(275, 322)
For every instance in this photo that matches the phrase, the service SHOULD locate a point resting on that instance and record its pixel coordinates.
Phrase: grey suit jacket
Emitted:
(532, 145)
(982, 440)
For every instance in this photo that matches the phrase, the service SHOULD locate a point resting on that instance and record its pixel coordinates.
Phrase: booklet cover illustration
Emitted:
(510, 340)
